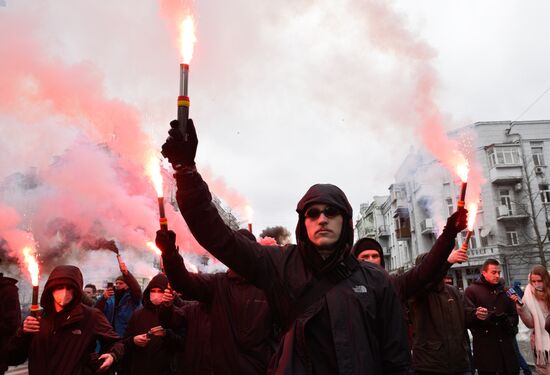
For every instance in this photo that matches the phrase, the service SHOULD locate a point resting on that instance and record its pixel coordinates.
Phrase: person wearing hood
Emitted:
(10, 316)
(533, 310)
(152, 349)
(494, 322)
(62, 340)
(243, 333)
(119, 304)
(439, 320)
(338, 315)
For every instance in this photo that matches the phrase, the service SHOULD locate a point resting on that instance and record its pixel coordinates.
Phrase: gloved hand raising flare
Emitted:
(179, 150)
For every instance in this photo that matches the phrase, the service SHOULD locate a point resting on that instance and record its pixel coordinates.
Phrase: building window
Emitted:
(447, 189)
(450, 206)
(484, 241)
(544, 193)
(538, 154)
(506, 200)
(512, 238)
(503, 156)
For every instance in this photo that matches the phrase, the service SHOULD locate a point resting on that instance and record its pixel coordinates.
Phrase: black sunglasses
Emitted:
(329, 211)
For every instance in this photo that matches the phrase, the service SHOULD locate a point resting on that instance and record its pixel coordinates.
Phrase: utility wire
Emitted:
(532, 104)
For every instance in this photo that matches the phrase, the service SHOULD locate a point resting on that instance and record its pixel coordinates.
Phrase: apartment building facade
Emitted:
(512, 224)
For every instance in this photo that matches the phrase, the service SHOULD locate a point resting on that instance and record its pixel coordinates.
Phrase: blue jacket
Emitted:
(119, 315)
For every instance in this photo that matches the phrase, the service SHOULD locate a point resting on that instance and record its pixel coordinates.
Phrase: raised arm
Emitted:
(247, 258)
(192, 286)
(435, 262)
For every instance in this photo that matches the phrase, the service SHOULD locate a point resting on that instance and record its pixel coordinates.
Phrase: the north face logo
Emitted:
(360, 289)
(76, 332)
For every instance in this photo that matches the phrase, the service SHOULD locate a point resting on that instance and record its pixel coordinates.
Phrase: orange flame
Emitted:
(462, 169)
(187, 38)
(472, 213)
(153, 247)
(153, 171)
(249, 212)
(32, 264)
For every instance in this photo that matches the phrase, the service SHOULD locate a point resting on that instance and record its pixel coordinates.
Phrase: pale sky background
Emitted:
(286, 94)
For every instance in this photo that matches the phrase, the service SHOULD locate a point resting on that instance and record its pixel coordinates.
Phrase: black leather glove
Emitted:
(181, 150)
(457, 222)
(166, 242)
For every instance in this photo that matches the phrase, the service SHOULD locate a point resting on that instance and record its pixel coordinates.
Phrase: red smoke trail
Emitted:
(97, 187)
(388, 33)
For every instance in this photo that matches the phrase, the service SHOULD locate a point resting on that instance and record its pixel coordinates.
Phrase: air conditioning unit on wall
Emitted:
(539, 170)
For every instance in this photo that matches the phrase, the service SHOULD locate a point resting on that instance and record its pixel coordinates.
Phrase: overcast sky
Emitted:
(286, 94)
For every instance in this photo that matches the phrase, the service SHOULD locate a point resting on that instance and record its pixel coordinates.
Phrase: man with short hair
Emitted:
(62, 339)
(494, 322)
(119, 304)
(340, 316)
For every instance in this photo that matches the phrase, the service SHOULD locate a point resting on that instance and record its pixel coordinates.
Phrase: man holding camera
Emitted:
(494, 324)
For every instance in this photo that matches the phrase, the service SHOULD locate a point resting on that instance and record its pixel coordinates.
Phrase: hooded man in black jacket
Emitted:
(150, 347)
(62, 340)
(10, 316)
(339, 316)
(243, 334)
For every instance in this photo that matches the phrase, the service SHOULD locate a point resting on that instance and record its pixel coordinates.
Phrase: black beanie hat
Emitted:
(366, 243)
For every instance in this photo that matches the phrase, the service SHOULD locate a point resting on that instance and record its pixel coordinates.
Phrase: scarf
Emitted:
(541, 350)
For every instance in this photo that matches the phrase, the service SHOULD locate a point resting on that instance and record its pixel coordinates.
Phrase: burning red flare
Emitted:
(187, 38)
(462, 170)
(153, 247)
(32, 264)
(472, 213)
(153, 171)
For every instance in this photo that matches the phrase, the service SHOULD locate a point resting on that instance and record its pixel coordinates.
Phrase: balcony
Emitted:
(403, 234)
(383, 231)
(506, 174)
(370, 232)
(401, 212)
(426, 226)
(514, 212)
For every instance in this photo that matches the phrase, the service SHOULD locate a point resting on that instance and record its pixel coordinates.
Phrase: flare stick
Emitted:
(460, 203)
(162, 219)
(183, 99)
(466, 240)
(34, 304)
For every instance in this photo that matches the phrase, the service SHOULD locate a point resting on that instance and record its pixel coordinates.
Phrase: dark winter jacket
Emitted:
(119, 313)
(65, 344)
(493, 342)
(439, 321)
(159, 355)
(10, 316)
(358, 325)
(194, 318)
(243, 337)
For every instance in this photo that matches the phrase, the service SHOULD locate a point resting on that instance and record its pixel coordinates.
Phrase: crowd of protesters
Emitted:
(324, 305)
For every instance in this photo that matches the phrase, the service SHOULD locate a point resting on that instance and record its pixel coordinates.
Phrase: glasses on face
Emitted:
(329, 212)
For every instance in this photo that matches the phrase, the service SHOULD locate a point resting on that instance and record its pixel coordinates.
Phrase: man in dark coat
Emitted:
(194, 318)
(10, 316)
(243, 333)
(119, 305)
(339, 316)
(150, 348)
(494, 322)
(439, 320)
(62, 340)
